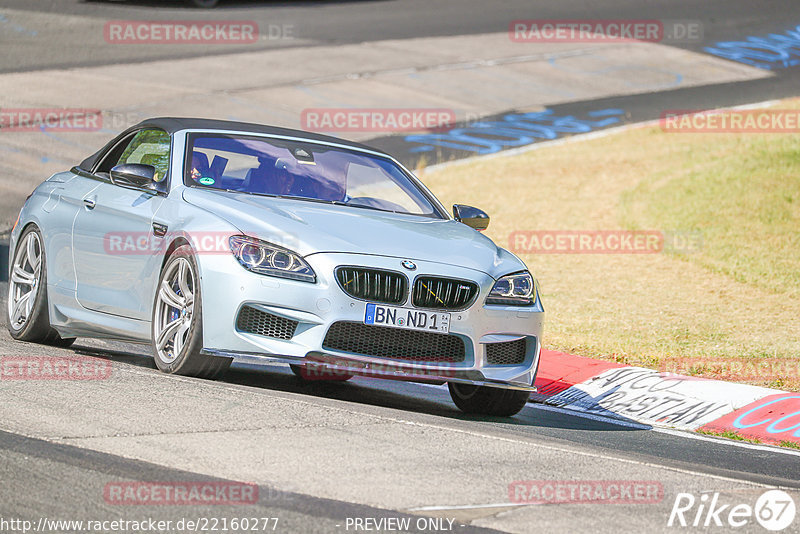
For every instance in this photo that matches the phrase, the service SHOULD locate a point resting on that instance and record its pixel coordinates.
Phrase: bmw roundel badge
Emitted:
(410, 265)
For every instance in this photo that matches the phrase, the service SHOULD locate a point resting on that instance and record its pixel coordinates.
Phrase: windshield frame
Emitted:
(439, 211)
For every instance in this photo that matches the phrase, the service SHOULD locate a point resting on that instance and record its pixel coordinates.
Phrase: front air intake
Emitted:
(394, 344)
(506, 352)
(261, 323)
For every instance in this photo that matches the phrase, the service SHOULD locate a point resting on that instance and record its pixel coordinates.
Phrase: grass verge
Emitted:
(734, 299)
(728, 434)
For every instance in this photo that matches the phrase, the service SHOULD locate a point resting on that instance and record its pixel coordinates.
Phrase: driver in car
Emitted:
(271, 178)
(282, 179)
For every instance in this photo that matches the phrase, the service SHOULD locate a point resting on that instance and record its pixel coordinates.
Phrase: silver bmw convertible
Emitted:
(220, 242)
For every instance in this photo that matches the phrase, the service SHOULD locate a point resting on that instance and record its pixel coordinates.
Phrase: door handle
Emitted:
(90, 202)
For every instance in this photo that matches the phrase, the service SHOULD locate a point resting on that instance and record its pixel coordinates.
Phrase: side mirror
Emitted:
(472, 217)
(136, 174)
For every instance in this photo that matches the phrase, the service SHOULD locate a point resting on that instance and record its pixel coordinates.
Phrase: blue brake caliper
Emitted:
(174, 313)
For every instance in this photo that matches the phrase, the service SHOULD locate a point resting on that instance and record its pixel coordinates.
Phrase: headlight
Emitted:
(517, 289)
(265, 258)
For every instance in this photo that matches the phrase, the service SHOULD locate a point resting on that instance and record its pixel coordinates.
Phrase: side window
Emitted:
(111, 157)
(150, 147)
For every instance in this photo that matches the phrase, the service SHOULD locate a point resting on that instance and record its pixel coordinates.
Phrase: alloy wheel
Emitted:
(24, 283)
(175, 307)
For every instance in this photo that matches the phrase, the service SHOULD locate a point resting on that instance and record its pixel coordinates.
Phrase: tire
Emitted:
(313, 373)
(486, 400)
(178, 320)
(27, 314)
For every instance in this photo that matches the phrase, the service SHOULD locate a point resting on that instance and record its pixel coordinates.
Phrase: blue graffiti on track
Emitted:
(513, 130)
(5, 23)
(775, 51)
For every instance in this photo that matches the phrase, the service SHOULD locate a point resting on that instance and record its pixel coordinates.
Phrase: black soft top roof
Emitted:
(176, 124)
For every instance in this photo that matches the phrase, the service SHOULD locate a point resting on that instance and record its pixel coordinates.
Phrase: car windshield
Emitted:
(302, 170)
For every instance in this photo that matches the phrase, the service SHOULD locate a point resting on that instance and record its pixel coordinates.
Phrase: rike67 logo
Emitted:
(774, 510)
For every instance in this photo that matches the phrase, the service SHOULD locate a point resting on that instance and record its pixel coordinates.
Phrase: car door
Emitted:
(115, 248)
(58, 214)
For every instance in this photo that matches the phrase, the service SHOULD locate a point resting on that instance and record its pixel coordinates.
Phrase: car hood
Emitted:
(311, 227)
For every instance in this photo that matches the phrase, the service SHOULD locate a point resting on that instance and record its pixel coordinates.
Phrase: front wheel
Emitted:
(177, 330)
(486, 400)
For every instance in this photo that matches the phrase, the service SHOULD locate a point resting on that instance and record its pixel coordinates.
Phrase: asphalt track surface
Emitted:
(722, 458)
(42, 467)
(47, 473)
(327, 22)
(58, 471)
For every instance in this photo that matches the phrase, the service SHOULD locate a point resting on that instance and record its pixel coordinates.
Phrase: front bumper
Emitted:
(227, 287)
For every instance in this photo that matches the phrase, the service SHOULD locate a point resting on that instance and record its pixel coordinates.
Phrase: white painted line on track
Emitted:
(591, 454)
(742, 444)
(642, 426)
(227, 387)
(471, 506)
(577, 451)
(670, 431)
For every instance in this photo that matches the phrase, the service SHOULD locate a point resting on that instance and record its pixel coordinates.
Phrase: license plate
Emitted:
(407, 319)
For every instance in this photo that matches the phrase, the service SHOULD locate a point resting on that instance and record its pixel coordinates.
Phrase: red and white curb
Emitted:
(653, 398)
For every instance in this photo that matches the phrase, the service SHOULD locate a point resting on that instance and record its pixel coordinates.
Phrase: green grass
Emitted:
(728, 434)
(735, 298)
(742, 194)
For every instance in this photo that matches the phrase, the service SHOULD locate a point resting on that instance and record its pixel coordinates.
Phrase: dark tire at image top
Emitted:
(485, 400)
(27, 310)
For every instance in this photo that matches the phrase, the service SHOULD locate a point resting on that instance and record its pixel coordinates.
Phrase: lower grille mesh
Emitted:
(262, 323)
(506, 353)
(394, 344)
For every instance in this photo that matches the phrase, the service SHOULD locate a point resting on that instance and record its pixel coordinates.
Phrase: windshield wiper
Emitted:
(317, 200)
